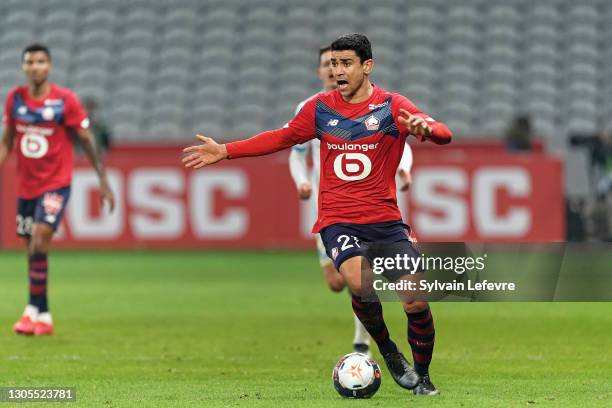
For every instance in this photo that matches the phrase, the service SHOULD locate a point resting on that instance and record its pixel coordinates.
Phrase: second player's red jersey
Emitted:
(42, 130)
(361, 147)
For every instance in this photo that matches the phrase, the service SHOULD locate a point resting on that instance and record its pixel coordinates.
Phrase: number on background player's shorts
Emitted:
(47, 208)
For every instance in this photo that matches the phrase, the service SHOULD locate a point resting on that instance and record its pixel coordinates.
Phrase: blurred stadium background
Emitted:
(160, 71)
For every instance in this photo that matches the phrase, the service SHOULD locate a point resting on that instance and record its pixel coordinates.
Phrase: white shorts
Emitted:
(324, 260)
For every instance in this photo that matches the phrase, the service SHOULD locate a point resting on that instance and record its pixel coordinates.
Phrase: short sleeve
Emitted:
(75, 114)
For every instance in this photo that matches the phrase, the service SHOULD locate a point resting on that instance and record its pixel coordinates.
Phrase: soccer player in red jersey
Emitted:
(307, 184)
(40, 118)
(362, 129)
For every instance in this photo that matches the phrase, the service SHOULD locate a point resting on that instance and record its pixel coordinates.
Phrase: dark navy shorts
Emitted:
(47, 208)
(343, 241)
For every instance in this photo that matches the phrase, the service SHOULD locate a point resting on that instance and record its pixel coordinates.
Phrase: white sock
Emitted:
(45, 317)
(31, 311)
(361, 334)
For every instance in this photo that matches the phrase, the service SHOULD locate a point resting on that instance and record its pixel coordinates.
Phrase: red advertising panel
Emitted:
(252, 203)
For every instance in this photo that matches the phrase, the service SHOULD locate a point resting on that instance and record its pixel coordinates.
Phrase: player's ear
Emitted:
(368, 66)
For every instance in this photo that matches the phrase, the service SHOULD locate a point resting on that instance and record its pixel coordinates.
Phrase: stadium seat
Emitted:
(95, 37)
(258, 57)
(100, 18)
(18, 18)
(214, 74)
(176, 58)
(57, 38)
(210, 93)
(65, 18)
(137, 37)
(181, 15)
(301, 16)
(219, 17)
(251, 120)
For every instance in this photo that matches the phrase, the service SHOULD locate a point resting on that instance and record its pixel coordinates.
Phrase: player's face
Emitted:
(36, 67)
(349, 72)
(325, 71)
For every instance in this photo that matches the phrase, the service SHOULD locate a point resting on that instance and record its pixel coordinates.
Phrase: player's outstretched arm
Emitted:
(209, 152)
(6, 145)
(87, 140)
(299, 130)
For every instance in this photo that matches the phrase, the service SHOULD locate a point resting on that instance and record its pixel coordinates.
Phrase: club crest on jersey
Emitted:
(372, 123)
(48, 113)
(52, 203)
(334, 253)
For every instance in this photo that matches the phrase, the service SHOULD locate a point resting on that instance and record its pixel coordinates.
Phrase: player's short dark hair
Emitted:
(355, 42)
(36, 48)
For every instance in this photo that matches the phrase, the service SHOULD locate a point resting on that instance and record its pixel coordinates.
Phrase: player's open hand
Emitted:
(415, 125)
(209, 152)
(304, 191)
(405, 180)
(107, 196)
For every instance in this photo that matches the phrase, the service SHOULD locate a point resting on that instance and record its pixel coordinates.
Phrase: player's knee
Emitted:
(336, 284)
(41, 237)
(415, 307)
(334, 280)
(38, 244)
(355, 287)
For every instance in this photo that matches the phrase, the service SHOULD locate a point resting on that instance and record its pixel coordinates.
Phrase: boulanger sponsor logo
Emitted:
(44, 131)
(364, 147)
(352, 166)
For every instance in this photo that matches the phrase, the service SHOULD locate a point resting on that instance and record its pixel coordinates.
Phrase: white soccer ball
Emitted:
(356, 376)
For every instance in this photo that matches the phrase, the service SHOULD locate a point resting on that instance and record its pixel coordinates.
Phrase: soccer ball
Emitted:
(356, 376)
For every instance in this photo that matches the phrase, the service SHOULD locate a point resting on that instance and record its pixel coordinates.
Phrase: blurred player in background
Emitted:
(39, 118)
(308, 189)
(363, 129)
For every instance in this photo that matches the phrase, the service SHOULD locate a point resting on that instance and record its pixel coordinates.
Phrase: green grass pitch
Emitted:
(189, 329)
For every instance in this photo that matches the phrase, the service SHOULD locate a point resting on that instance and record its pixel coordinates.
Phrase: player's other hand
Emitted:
(209, 152)
(415, 125)
(304, 191)
(405, 180)
(107, 196)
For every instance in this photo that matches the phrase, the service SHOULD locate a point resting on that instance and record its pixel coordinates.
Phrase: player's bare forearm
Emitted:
(89, 146)
(6, 145)
(86, 139)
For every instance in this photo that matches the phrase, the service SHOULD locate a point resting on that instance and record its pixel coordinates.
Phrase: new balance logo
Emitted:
(332, 122)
